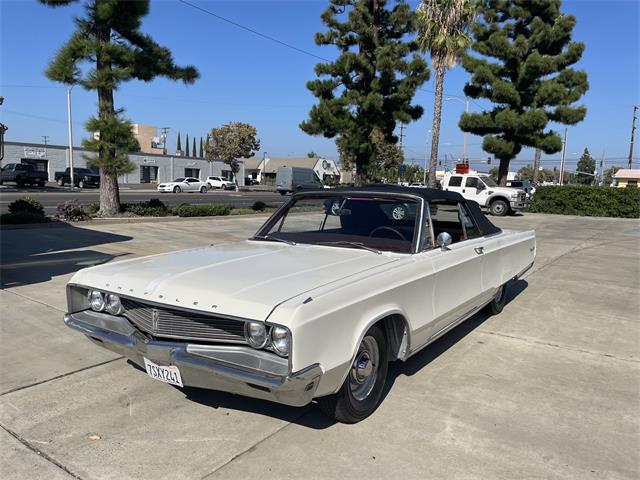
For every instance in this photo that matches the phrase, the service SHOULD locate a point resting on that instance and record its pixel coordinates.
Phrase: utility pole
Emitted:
(45, 139)
(601, 168)
(262, 176)
(70, 137)
(564, 153)
(163, 136)
(633, 130)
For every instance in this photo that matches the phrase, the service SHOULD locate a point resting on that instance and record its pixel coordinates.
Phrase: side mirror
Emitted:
(443, 240)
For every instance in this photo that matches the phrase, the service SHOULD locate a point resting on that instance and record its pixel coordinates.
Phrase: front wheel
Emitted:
(361, 392)
(177, 189)
(81, 184)
(203, 189)
(499, 208)
(60, 182)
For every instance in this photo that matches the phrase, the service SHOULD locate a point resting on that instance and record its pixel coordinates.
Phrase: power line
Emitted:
(38, 117)
(255, 32)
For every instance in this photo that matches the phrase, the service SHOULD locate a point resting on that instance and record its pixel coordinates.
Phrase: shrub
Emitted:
(72, 211)
(93, 208)
(26, 204)
(258, 206)
(151, 208)
(22, 217)
(587, 201)
(211, 210)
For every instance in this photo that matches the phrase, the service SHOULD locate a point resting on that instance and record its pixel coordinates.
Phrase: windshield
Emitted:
(346, 221)
(179, 179)
(489, 182)
(83, 171)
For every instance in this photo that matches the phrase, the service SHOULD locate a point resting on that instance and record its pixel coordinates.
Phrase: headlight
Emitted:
(96, 300)
(113, 304)
(256, 334)
(280, 340)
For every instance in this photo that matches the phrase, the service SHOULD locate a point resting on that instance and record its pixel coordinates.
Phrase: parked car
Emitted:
(295, 179)
(334, 286)
(82, 177)
(418, 185)
(183, 184)
(22, 174)
(219, 182)
(483, 189)
(522, 185)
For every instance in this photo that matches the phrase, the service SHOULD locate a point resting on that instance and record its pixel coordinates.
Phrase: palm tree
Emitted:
(442, 31)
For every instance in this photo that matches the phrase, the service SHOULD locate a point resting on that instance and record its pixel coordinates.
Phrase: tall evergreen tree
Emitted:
(371, 84)
(193, 150)
(443, 27)
(107, 49)
(201, 152)
(586, 164)
(179, 145)
(186, 146)
(530, 80)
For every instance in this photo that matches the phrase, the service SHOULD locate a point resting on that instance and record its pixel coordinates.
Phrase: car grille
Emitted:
(178, 324)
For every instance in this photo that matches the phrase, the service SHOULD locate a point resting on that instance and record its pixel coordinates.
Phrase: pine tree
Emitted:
(193, 150)
(108, 39)
(201, 152)
(586, 164)
(529, 80)
(179, 145)
(371, 84)
(186, 146)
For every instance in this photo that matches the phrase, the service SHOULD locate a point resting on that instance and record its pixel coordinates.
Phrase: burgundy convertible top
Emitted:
(429, 194)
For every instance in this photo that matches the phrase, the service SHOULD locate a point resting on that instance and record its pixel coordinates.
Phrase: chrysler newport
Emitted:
(334, 286)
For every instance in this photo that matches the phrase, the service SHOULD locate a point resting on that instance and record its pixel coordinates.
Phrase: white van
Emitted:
(294, 179)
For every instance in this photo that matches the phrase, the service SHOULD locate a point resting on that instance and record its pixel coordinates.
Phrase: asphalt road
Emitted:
(51, 196)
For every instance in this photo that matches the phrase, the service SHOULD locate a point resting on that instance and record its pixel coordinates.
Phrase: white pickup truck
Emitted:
(483, 189)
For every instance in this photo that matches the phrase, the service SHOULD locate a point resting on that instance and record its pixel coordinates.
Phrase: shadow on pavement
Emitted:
(36, 255)
(312, 417)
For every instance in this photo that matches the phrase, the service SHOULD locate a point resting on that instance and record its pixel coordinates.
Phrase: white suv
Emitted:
(219, 182)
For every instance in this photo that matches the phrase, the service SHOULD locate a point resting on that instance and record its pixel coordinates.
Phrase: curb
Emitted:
(125, 220)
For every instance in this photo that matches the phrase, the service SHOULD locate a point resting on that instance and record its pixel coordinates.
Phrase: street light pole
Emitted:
(466, 110)
(71, 173)
(564, 153)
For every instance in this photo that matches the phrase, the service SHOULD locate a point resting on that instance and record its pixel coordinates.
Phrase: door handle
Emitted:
(463, 190)
(479, 250)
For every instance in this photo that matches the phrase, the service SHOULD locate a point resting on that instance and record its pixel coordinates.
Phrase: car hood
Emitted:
(247, 279)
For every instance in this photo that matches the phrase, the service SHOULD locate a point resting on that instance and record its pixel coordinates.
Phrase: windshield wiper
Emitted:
(351, 244)
(272, 239)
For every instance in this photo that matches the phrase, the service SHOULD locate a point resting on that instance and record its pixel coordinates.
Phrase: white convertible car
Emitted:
(333, 287)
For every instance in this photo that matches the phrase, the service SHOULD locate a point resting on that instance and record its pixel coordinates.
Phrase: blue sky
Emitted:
(247, 78)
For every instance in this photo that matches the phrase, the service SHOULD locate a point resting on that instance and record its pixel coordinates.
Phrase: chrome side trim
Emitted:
(525, 270)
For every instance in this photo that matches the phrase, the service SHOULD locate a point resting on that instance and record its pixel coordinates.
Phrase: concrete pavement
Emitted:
(550, 388)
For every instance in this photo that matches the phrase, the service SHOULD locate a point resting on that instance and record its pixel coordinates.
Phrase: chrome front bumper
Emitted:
(235, 369)
(517, 204)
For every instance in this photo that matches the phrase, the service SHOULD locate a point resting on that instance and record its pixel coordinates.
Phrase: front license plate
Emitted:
(167, 374)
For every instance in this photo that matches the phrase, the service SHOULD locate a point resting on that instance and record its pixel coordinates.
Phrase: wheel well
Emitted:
(396, 332)
(498, 197)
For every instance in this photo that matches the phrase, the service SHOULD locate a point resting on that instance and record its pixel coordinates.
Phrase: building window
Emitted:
(192, 172)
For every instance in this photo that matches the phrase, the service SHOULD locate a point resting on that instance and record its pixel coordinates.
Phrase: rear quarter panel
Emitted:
(507, 254)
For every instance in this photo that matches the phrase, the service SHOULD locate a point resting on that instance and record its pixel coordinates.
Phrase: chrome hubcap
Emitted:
(364, 370)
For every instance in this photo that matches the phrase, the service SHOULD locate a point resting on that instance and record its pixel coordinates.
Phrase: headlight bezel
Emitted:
(118, 309)
(251, 339)
(284, 335)
(96, 300)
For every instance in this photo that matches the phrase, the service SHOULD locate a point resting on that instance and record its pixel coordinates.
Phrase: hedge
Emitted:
(587, 201)
(213, 210)
(152, 208)
(26, 204)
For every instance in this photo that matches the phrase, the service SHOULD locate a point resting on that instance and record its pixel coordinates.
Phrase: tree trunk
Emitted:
(437, 117)
(503, 171)
(109, 191)
(536, 167)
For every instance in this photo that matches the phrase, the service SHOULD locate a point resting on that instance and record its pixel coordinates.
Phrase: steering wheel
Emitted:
(387, 228)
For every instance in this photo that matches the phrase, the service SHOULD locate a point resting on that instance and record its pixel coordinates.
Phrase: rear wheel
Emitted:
(203, 189)
(60, 182)
(81, 184)
(499, 300)
(499, 208)
(361, 392)
(177, 189)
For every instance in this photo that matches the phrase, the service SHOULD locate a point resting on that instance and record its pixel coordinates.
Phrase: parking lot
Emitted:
(550, 388)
